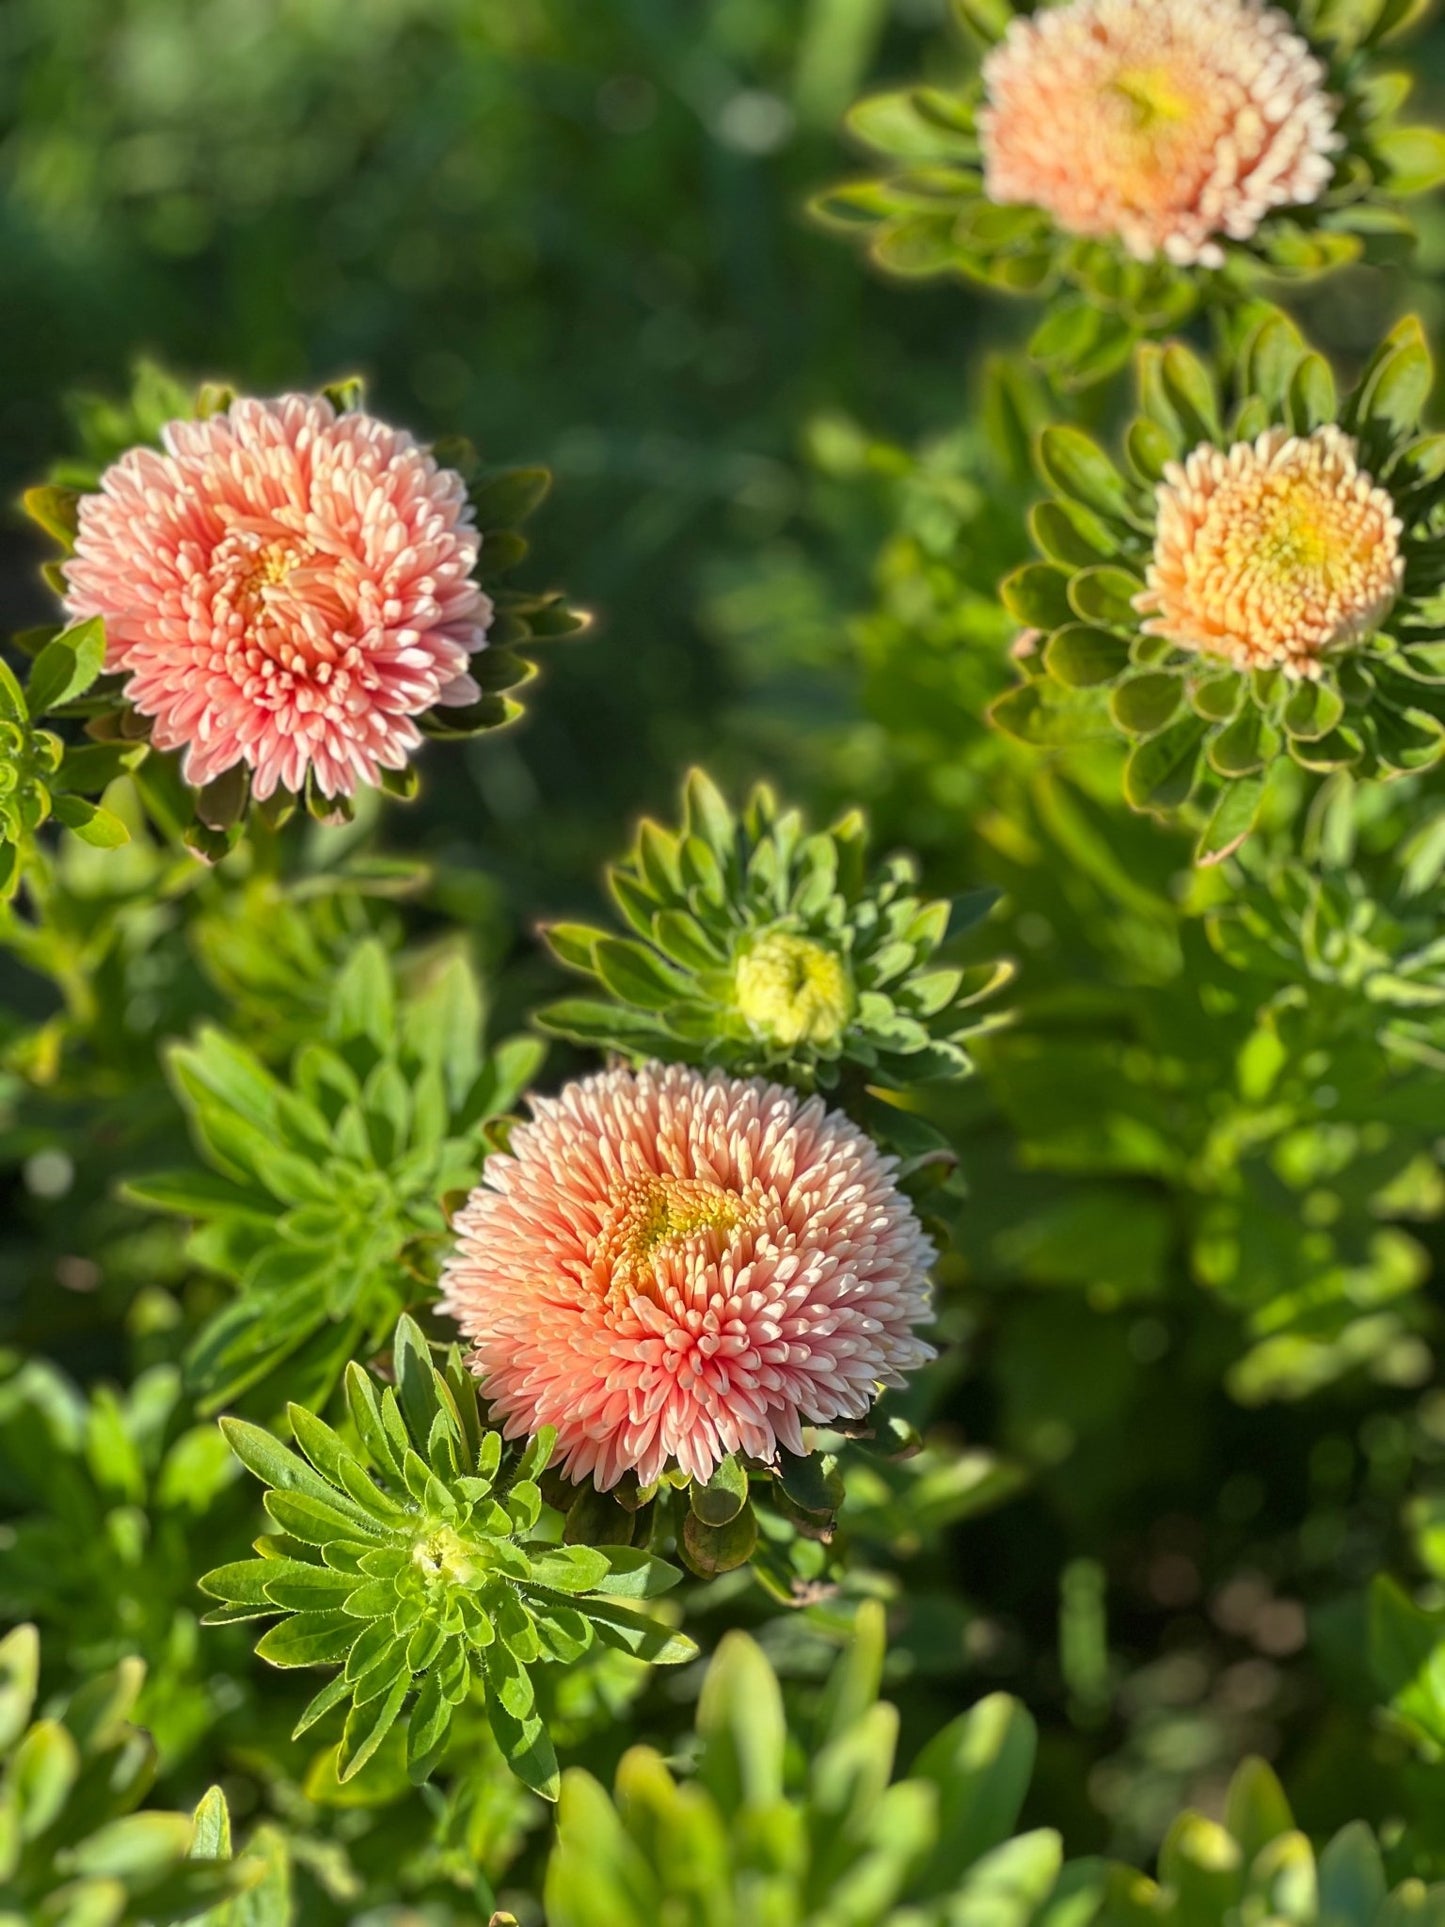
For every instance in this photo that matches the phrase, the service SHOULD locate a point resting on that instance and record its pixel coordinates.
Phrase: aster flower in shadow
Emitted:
(758, 945)
(292, 592)
(1140, 152)
(1262, 580)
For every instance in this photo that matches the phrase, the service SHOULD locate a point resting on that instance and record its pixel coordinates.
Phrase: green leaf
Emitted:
(570, 1569)
(66, 667)
(989, 19)
(1038, 594)
(1414, 156)
(309, 1639)
(1069, 534)
(709, 1550)
(1230, 822)
(1106, 595)
(634, 1573)
(519, 1729)
(364, 1001)
(418, 1386)
(637, 975)
(743, 1729)
(506, 501)
(1161, 771)
(91, 823)
(136, 1849)
(19, 1677)
(1395, 390)
(57, 511)
(211, 1821)
(367, 1725)
(633, 1633)
(41, 1773)
(427, 1727)
(724, 1495)
(1352, 1884)
(1083, 657)
(892, 124)
(1312, 710)
(1312, 398)
(1048, 715)
(1192, 394)
(981, 1764)
(571, 944)
(707, 816)
(1078, 468)
(1256, 1810)
(1143, 705)
(275, 1466)
(587, 1021)
(1403, 1642)
(1243, 746)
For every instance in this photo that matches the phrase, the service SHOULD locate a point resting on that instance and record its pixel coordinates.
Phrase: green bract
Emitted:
(1205, 735)
(420, 1564)
(324, 1203)
(928, 213)
(73, 1850)
(501, 501)
(757, 946)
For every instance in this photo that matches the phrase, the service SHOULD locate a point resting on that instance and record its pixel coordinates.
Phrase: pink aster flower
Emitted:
(286, 588)
(1162, 124)
(670, 1267)
(1273, 553)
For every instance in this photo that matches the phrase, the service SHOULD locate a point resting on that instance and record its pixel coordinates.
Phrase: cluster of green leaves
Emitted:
(324, 1204)
(74, 1850)
(929, 212)
(843, 1845)
(1206, 736)
(821, 1835)
(420, 1563)
(211, 819)
(1167, 1114)
(1255, 1863)
(116, 1486)
(1327, 936)
(39, 777)
(759, 946)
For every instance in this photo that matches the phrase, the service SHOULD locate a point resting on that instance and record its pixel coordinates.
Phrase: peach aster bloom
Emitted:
(286, 588)
(669, 1267)
(1273, 553)
(1163, 124)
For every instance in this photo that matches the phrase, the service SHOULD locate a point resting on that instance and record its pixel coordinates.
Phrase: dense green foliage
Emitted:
(1171, 1496)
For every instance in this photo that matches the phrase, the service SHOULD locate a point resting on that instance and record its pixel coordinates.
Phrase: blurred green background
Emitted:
(573, 230)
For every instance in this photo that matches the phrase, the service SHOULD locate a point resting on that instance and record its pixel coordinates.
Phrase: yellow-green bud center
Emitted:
(793, 991)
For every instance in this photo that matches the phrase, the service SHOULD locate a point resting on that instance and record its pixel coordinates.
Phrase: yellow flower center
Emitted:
(1155, 95)
(791, 990)
(656, 1216)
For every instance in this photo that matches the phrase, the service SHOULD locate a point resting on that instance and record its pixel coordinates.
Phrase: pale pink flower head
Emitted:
(1166, 125)
(286, 588)
(669, 1267)
(1274, 553)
